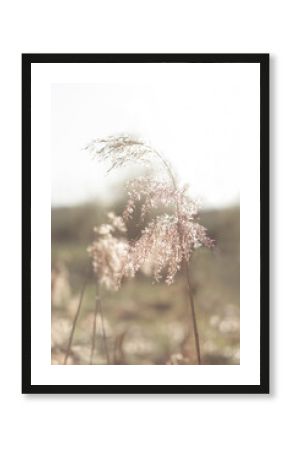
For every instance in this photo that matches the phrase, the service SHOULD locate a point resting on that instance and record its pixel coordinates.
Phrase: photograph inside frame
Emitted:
(145, 220)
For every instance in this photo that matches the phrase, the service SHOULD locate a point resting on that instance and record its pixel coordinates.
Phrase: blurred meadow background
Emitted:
(146, 322)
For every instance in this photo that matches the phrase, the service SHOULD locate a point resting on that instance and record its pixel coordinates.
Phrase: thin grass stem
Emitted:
(81, 298)
(94, 329)
(186, 265)
(194, 321)
(104, 337)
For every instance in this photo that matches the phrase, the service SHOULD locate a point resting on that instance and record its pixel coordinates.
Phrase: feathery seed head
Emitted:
(120, 150)
(166, 241)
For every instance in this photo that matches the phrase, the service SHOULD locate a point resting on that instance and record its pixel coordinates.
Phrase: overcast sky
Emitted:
(199, 122)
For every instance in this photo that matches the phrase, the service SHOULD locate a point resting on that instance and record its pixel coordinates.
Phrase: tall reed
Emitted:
(167, 241)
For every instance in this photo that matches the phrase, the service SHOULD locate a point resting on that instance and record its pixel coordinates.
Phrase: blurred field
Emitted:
(147, 323)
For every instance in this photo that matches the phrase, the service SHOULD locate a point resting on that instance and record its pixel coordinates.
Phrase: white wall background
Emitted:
(75, 422)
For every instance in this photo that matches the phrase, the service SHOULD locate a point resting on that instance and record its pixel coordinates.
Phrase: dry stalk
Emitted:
(104, 337)
(81, 298)
(94, 329)
(186, 266)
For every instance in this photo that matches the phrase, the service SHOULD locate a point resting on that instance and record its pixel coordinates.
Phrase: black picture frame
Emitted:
(27, 61)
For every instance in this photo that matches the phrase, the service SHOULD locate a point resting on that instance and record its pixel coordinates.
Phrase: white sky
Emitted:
(196, 114)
